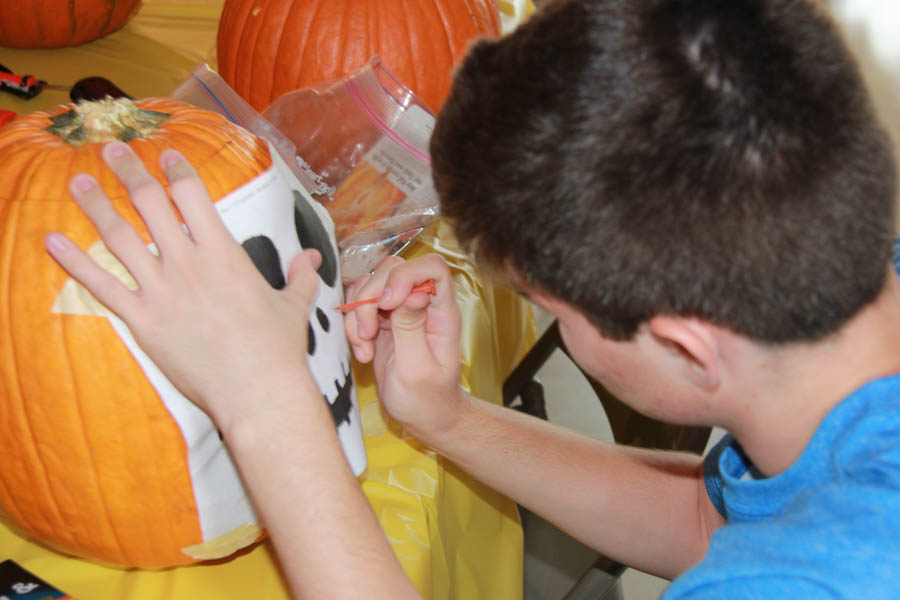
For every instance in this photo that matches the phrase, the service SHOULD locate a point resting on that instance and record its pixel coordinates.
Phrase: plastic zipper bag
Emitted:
(362, 141)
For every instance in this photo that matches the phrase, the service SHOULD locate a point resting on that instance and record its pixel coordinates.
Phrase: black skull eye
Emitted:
(312, 234)
(311, 341)
(264, 254)
(323, 319)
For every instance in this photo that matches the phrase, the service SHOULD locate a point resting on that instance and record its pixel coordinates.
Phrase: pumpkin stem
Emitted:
(105, 120)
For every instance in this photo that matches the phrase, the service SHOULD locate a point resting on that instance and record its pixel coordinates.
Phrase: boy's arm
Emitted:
(647, 509)
(644, 508)
(328, 540)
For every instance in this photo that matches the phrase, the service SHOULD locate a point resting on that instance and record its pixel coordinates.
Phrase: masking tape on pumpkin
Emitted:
(74, 299)
(226, 544)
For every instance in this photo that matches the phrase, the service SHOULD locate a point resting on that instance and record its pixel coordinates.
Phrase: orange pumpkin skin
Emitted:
(50, 24)
(269, 47)
(92, 462)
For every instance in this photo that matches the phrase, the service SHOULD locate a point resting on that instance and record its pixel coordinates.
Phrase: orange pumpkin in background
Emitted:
(92, 462)
(269, 47)
(54, 24)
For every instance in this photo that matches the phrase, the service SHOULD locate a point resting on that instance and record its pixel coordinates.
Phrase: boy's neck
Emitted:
(793, 388)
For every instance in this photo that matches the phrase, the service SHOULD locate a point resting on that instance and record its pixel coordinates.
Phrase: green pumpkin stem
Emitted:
(105, 120)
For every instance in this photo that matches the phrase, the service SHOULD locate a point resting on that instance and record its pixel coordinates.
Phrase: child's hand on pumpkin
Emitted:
(202, 311)
(412, 339)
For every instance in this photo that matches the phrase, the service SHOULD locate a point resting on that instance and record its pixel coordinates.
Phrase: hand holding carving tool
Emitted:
(427, 287)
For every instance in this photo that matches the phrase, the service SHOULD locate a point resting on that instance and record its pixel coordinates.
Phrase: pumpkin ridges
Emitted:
(37, 24)
(272, 28)
(415, 82)
(321, 52)
(248, 42)
(112, 538)
(16, 401)
(98, 420)
(7, 356)
(102, 525)
(8, 504)
(352, 62)
(158, 436)
(226, 27)
(249, 37)
(323, 31)
(234, 30)
(72, 21)
(286, 47)
(33, 473)
(447, 24)
(134, 540)
(441, 53)
(132, 385)
(320, 36)
(421, 47)
(308, 50)
(107, 22)
(374, 31)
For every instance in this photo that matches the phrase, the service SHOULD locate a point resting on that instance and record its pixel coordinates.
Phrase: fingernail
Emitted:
(84, 182)
(116, 149)
(55, 242)
(171, 158)
(315, 259)
(386, 294)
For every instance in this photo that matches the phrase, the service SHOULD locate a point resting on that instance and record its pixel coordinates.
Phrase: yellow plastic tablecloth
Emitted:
(455, 538)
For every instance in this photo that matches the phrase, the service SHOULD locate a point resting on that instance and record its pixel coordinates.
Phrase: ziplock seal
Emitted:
(412, 150)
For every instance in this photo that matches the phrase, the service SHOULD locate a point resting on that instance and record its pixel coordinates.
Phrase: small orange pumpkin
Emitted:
(50, 24)
(269, 47)
(92, 462)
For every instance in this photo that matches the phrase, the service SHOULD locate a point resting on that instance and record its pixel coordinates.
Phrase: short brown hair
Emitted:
(719, 159)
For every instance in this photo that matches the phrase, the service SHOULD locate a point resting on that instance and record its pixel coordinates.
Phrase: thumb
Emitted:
(302, 279)
(410, 340)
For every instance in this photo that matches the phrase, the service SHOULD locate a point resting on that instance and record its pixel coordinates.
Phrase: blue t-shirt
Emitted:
(828, 527)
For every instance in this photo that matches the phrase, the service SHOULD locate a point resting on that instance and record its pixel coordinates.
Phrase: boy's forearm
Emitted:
(647, 509)
(322, 526)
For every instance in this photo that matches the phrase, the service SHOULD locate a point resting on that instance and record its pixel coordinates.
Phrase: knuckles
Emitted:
(145, 190)
(118, 232)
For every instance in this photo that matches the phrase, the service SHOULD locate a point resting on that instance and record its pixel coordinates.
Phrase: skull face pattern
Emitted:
(265, 256)
(274, 221)
(311, 233)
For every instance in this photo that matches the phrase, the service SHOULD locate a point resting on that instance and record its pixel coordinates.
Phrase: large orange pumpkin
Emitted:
(53, 24)
(269, 47)
(91, 462)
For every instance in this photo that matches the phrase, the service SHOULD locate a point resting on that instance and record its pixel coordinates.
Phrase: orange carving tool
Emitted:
(427, 287)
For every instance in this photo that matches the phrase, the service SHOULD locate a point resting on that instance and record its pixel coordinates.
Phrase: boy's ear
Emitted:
(696, 343)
